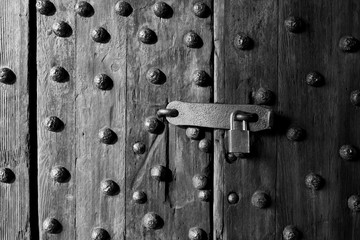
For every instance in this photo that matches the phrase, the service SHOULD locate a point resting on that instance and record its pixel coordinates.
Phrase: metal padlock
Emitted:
(238, 139)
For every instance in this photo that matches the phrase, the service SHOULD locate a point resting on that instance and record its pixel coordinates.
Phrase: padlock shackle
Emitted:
(239, 115)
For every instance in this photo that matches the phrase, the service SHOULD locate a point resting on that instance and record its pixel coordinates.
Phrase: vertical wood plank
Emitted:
(14, 121)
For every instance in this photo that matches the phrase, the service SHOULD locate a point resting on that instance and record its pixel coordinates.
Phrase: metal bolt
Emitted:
(193, 133)
(124, 9)
(314, 79)
(260, 199)
(84, 9)
(62, 29)
(200, 181)
(233, 198)
(147, 36)
(349, 44)
(264, 97)
(139, 148)
(100, 234)
(205, 145)
(162, 10)
(193, 40)
(296, 134)
(243, 42)
(355, 98)
(45, 7)
(154, 125)
(201, 10)
(160, 173)
(348, 152)
(314, 181)
(103, 81)
(107, 136)
(100, 35)
(53, 124)
(109, 187)
(7, 76)
(290, 232)
(354, 203)
(59, 74)
(52, 226)
(196, 233)
(294, 24)
(152, 221)
(60, 174)
(155, 76)
(139, 197)
(201, 78)
(6, 175)
(204, 195)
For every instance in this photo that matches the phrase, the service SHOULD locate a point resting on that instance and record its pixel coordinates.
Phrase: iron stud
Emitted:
(147, 36)
(314, 181)
(100, 234)
(155, 76)
(264, 97)
(233, 198)
(296, 134)
(7, 76)
(109, 187)
(196, 233)
(231, 157)
(193, 40)
(193, 133)
(100, 35)
(7, 175)
(53, 124)
(107, 136)
(204, 195)
(139, 197)
(260, 199)
(60, 174)
(103, 82)
(84, 9)
(200, 181)
(201, 10)
(45, 7)
(152, 221)
(139, 148)
(314, 79)
(290, 232)
(52, 226)
(201, 78)
(59, 74)
(154, 125)
(355, 98)
(243, 42)
(62, 29)
(354, 203)
(162, 10)
(124, 9)
(348, 152)
(349, 44)
(160, 173)
(294, 24)
(205, 145)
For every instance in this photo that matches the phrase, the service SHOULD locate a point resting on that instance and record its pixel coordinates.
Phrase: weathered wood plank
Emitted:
(14, 121)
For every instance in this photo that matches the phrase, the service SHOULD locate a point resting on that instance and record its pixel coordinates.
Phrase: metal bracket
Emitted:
(211, 115)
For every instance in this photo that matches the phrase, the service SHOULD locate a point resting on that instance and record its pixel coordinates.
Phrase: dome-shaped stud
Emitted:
(290, 232)
(193, 133)
(109, 187)
(60, 174)
(205, 145)
(162, 10)
(196, 233)
(155, 76)
(294, 24)
(264, 97)
(354, 203)
(355, 98)
(295, 134)
(349, 44)
(84, 9)
(52, 226)
(160, 173)
(193, 40)
(139, 148)
(231, 157)
(139, 197)
(45, 7)
(7, 175)
(233, 198)
(103, 82)
(147, 36)
(153, 125)
(53, 124)
(314, 181)
(100, 234)
(348, 152)
(59, 74)
(200, 181)
(62, 29)
(201, 10)
(152, 221)
(7, 76)
(100, 35)
(107, 136)
(123, 8)
(204, 195)
(243, 42)
(260, 199)
(201, 78)
(314, 79)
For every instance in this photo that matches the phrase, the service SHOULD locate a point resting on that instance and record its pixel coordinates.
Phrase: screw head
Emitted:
(154, 125)
(349, 44)
(52, 226)
(196, 233)
(7, 76)
(233, 198)
(84, 9)
(139, 197)
(193, 40)
(109, 187)
(139, 148)
(152, 221)
(264, 97)
(290, 232)
(355, 98)
(260, 199)
(107, 136)
(294, 24)
(204, 195)
(53, 124)
(162, 10)
(348, 152)
(243, 42)
(200, 181)
(100, 35)
(59, 74)
(62, 29)
(193, 133)
(160, 173)
(205, 145)
(45, 7)
(60, 174)
(314, 79)
(103, 82)
(296, 134)
(100, 234)
(201, 10)
(147, 36)
(155, 76)
(354, 203)
(124, 9)
(314, 181)
(7, 175)
(201, 78)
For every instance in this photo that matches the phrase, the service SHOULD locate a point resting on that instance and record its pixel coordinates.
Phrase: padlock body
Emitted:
(238, 141)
